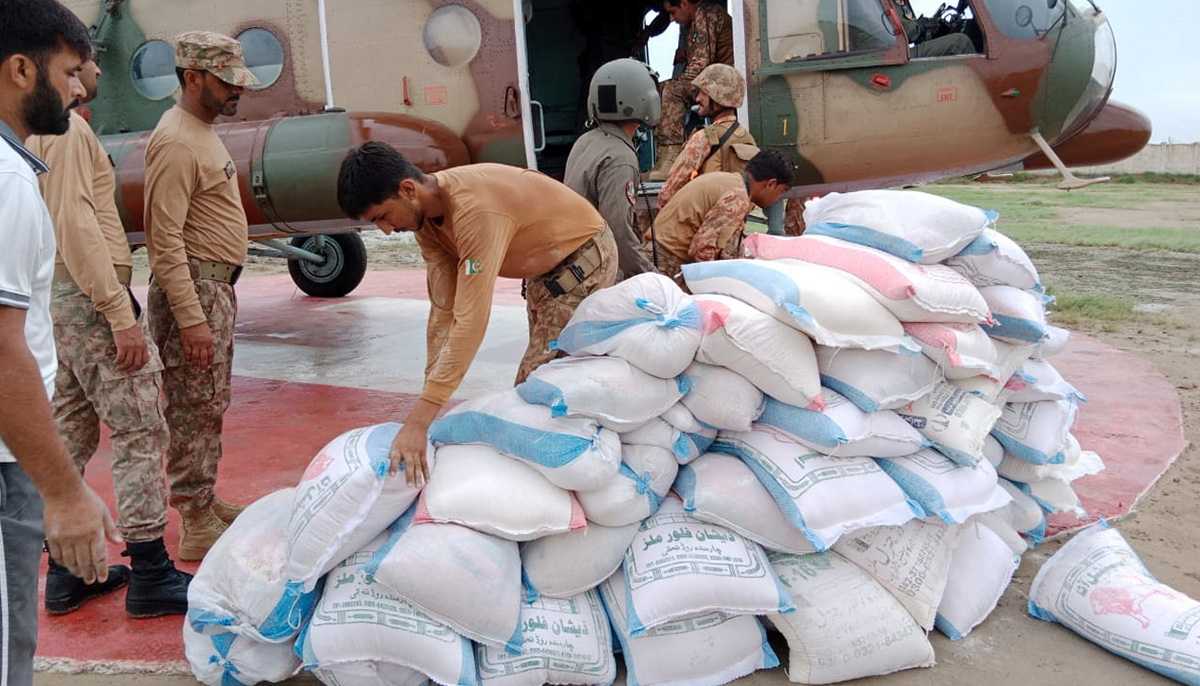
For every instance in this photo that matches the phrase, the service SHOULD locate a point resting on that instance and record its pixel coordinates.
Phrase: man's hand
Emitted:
(198, 345)
(408, 453)
(131, 349)
(77, 523)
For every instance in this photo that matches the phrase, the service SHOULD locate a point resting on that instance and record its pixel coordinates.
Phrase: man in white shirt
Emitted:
(42, 47)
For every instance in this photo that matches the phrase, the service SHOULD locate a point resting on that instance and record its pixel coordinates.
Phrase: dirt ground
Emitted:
(1011, 647)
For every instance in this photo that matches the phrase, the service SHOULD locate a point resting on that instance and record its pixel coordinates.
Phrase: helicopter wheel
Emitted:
(344, 267)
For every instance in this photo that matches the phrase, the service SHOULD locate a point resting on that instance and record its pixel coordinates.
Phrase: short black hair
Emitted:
(370, 174)
(36, 29)
(771, 164)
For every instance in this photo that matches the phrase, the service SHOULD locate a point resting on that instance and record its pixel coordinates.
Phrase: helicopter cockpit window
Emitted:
(153, 69)
(940, 29)
(1026, 19)
(264, 55)
(798, 31)
(453, 35)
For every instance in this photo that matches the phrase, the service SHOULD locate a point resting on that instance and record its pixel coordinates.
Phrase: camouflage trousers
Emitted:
(89, 389)
(548, 314)
(677, 98)
(667, 263)
(196, 398)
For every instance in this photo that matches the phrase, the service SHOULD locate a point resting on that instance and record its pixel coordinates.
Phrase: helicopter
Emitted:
(839, 86)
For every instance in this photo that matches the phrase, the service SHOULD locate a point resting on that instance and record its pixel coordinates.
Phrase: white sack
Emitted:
(822, 302)
(982, 568)
(479, 488)
(707, 650)
(947, 490)
(824, 497)
(574, 453)
(911, 562)
(227, 658)
(599, 387)
(645, 319)
(240, 584)
(773, 356)
(912, 292)
(917, 226)
(1056, 340)
(955, 421)
(846, 626)
(721, 489)
(361, 626)
(693, 430)
(1097, 586)
(877, 379)
(1019, 316)
(679, 566)
(966, 350)
(646, 474)
(566, 641)
(1016, 469)
(1023, 513)
(1039, 380)
(466, 579)
(1036, 432)
(994, 259)
(658, 432)
(720, 397)
(568, 564)
(345, 498)
(842, 429)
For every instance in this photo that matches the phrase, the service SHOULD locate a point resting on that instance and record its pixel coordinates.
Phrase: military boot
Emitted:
(666, 158)
(156, 588)
(226, 511)
(66, 592)
(197, 533)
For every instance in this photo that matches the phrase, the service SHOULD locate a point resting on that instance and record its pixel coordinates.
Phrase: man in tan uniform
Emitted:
(474, 223)
(723, 145)
(706, 219)
(706, 31)
(196, 240)
(107, 369)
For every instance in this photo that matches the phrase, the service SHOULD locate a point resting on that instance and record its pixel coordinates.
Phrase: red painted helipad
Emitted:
(275, 424)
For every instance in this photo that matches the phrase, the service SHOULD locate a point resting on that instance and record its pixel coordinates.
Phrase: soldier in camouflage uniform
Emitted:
(707, 34)
(196, 235)
(724, 144)
(707, 218)
(108, 369)
(925, 46)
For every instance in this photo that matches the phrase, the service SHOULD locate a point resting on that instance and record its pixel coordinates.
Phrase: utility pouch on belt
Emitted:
(574, 269)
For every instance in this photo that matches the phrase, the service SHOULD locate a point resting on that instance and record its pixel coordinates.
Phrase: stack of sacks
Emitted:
(233, 602)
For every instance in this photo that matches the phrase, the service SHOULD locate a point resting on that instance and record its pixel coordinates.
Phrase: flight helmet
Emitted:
(625, 90)
(723, 84)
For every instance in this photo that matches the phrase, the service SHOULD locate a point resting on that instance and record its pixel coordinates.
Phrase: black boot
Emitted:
(66, 592)
(156, 587)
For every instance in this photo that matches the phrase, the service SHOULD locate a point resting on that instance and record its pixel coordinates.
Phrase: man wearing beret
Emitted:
(196, 241)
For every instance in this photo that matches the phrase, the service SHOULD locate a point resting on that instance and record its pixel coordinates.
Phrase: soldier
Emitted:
(724, 144)
(196, 240)
(707, 34)
(706, 219)
(603, 164)
(915, 30)
(106, 369)
(474, 223)
(42, 495)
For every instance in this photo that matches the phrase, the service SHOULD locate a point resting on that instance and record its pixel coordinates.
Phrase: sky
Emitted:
(1154, 47)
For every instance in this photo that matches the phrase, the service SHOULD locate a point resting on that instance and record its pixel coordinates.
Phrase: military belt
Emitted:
(216, 271)
(63, 275)
(574, 269)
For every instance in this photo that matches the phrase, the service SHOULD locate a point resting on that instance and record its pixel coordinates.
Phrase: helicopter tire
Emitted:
(344, 267)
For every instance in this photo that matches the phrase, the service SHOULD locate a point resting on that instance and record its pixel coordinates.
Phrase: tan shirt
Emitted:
(193, 207)
(80, 194)
(499, 221)
(705, 219)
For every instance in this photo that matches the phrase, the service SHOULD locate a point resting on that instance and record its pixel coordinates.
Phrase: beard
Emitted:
(210, 102)
(43, 109)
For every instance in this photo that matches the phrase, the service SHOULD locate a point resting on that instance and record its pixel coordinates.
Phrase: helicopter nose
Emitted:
(1118, 131)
